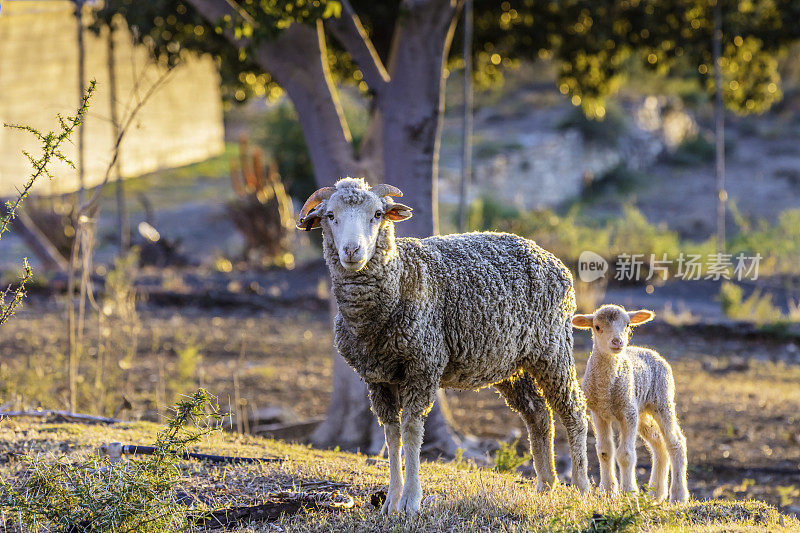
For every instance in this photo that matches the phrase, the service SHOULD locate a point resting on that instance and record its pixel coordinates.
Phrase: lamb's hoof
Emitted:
(410, 504)
(609, 490)
(680, 496)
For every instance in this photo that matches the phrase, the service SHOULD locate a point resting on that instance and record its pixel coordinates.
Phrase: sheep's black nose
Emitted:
(350, 249)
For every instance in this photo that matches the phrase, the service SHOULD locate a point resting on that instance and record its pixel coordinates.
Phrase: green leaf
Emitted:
(332, 9)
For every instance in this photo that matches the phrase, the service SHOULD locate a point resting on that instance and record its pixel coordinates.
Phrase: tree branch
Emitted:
(349, 31)
(297, 59)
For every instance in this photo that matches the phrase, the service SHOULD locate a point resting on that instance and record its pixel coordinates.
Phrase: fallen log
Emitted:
(60, 416)
(115, 450)
(283, 504)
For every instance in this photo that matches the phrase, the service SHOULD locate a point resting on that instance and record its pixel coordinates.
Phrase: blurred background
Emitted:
(166, 257)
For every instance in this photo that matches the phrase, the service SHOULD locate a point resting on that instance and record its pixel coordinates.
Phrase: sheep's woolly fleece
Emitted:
(459, 311)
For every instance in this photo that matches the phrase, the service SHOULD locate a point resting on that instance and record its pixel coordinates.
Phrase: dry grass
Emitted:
(736, 407)
(457, 499)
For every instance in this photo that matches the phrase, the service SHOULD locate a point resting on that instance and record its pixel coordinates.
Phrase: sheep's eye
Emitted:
(378, 214)
(330, 216)
(597, 328)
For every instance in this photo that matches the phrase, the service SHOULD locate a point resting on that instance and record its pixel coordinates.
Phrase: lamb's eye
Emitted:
(597, 328)
(330, 216)
(378, 214)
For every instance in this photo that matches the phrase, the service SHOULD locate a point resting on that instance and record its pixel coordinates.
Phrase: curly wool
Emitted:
(414, 308)
(462, 311)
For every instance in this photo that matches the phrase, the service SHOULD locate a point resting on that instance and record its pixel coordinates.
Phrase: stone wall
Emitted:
(180, 124)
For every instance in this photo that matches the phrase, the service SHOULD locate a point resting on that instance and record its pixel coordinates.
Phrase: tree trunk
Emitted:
(719, 129)
(401, 148)
(412, 111)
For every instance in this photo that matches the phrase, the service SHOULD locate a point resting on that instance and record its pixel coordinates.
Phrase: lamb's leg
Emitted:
(564, 394)
(386, 406)
(626, 451)
(604, 444)
(523, 396)
(659, 470)
(676, 447)
(416, 402)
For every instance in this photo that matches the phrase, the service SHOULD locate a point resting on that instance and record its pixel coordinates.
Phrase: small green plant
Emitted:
(51, 151)
(620, 519)
(98, 495)
(606, 131)
(459, 462)
(778, 243)
(189, 357)
(506, 458)
(488, 213)
(120, 324)
(697, 150)
(788, 493)
(757, 308)
(693, 151)
(619, 179)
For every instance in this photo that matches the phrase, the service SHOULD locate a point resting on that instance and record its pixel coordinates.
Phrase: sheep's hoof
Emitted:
(545, 486)
(581, 482)
(410, 504)
(391, 504)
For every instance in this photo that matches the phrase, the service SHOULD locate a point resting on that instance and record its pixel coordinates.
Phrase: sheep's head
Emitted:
(352, 214)
(611, 325)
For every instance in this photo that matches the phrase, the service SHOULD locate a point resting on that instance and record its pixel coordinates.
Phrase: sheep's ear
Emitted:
(398, 212)
(641, 316)
(310, 213)
(311, 220)
(583, 321)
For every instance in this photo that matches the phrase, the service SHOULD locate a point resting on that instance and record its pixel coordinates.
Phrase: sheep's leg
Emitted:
(604, 444)
(392, 503)
(386, 405)
(416, 403)
(659, 470)
(564, 394)
(676, 447)
(523, 396)
(626, 451)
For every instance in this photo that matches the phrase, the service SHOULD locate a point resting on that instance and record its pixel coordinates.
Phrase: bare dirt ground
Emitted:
(738, 399)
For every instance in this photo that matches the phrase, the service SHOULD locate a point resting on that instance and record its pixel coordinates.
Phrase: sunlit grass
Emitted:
(456, 499)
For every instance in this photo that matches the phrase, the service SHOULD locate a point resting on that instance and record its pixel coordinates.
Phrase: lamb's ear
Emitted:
(641, 316)
(398, 212)
(583, 321)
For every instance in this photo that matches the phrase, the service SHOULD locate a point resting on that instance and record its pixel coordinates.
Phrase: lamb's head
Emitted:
(352, 213)
(611, 325)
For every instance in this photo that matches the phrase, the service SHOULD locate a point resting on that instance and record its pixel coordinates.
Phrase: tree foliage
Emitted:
(595, 43)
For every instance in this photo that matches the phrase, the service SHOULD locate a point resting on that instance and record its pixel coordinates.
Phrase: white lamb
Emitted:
(634, 387)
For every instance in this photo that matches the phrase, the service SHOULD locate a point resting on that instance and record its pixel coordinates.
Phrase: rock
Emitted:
(273, 414)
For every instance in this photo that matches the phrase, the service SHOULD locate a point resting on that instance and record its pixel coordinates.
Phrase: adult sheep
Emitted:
(458, 311)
